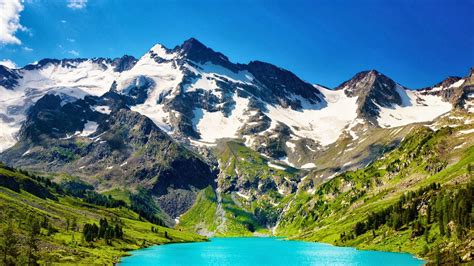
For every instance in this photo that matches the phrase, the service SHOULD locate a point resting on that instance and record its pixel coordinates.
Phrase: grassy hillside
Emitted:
(396, 191)
(250, 189)
(44, 219)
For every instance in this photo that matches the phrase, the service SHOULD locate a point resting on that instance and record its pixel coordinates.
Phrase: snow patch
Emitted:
(104, 109)
(415, 108)
(315, 121)
(276, 166)
(466, 131)
(215, 125)
(243, 195)
(457, 84)
(90, 127)
(308, 166)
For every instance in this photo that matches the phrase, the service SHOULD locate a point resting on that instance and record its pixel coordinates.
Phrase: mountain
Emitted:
(203, 144)
(100, 136)
(185, 90)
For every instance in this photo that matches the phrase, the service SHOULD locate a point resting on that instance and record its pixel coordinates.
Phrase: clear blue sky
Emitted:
(417, 43)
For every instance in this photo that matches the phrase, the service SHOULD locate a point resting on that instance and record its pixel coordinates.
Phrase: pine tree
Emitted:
(118, 231)
(74, 224)
(32, 241)
(104, 225)
(9, 244)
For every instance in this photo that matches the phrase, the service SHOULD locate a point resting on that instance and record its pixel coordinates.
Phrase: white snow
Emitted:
(162, 52)
(166, 78)
(291, 145)
(347, 164)
(324, 124)
(285, 160)
(281, 191)
(201, 143)
(333, 175)
(309, 148)
(243, 195)
(320, 122)
(89, 128)
(466, 131)
(72, 81)
(77, 79)
(156, 113)
(308, 166)
(276, 166)
(8, 133)
(26, 153)
(214, 125)
(459, 146)
(457, 83)
(415, 108)
(104, 109)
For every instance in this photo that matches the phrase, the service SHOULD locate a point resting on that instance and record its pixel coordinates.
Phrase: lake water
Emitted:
(263, 251)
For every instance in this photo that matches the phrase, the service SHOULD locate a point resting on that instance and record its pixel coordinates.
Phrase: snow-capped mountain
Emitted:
(198, 96)
(70, 78)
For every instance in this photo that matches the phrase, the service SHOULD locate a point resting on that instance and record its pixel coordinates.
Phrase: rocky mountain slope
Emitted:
(105, 144)
(189, 90)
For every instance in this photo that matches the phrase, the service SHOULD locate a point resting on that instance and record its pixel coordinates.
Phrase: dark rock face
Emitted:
(458, 96)
(445, 83)
(124, 63)
(138, 89)
(280, 84)
(373, 89)
(48, 118)
(176, 201)
(8, 77)
(194, 50)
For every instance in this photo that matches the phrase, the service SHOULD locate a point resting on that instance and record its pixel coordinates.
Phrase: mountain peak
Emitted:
(369, 78)
(192, 43)
(196, 51)
(374, 90)
(373, 73)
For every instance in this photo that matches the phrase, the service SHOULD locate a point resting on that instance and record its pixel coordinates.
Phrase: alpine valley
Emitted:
(182, 144)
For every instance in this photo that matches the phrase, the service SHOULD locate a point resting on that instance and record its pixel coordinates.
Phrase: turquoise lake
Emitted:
(263, 251)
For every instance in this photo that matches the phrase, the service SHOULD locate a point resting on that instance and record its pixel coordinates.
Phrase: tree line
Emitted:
(450, 211)
(91, 232)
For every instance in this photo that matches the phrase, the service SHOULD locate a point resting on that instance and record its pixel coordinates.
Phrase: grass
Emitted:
(66, 246)
(202, 215)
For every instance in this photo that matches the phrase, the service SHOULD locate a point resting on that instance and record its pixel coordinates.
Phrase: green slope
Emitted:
(343, 204)
(24, 199)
